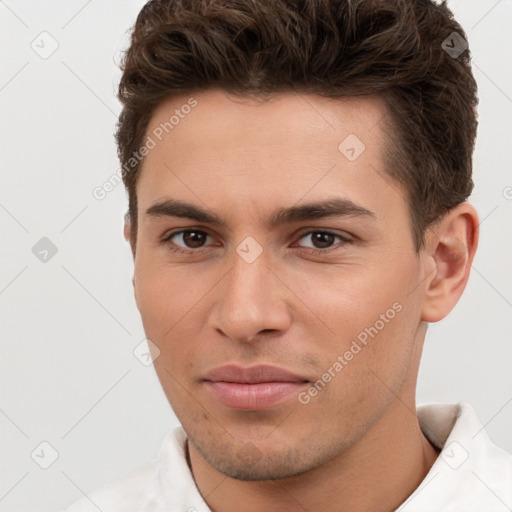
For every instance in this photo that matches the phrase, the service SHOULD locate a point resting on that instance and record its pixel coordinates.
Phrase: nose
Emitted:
(250, 300)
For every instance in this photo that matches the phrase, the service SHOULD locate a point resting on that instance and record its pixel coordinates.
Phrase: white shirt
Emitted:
(471, 473)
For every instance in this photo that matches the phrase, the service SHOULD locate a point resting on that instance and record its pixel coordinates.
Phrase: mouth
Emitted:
(253, 388)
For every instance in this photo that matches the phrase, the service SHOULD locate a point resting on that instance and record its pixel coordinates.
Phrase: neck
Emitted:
(378, 473)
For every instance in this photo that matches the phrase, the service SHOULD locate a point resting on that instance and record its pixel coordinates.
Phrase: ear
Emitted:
(127, 227)
(127, 236)
(127, 231)
(450, 245)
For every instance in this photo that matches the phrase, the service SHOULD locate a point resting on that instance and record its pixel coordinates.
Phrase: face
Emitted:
(276, 273)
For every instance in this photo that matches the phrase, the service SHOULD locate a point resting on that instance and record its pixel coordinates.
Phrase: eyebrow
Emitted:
(334, 207)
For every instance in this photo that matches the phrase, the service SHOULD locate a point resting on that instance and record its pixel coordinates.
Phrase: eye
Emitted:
(322, 241)
(187, 240)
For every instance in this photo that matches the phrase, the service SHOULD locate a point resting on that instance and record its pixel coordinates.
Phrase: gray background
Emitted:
(70, 324)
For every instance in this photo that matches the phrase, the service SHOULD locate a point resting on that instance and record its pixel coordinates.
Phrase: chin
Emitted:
(249, 463)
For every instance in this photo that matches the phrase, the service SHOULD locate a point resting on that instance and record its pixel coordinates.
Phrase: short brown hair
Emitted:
(333, 48)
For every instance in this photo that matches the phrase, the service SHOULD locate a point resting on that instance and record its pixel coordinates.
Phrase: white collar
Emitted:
(470, 475)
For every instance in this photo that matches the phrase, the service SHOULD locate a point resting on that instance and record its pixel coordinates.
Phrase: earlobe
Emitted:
(127, 227)
(127, 237)
(127, 232)
(135, 293)
(452, 246)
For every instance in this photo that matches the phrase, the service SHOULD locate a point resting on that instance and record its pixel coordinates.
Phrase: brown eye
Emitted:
(322, 239)
(194, 239)
(187, 239)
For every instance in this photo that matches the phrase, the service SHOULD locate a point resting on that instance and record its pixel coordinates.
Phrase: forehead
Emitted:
(282, 119)
(223, 150)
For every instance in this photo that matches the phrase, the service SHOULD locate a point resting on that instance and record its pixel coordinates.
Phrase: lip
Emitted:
(252, 388)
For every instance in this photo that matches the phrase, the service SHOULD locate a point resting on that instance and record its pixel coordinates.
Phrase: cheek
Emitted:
(171, 304)
(371, 316)
(166, 302)
(349, 299)
(164, 294)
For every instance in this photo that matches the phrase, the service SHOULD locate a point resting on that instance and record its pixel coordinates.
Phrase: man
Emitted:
(296, 221)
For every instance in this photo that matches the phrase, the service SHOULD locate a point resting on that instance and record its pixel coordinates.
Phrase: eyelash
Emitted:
(179, 250)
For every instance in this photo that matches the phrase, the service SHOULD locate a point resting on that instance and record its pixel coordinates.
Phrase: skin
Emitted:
(357, 444)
